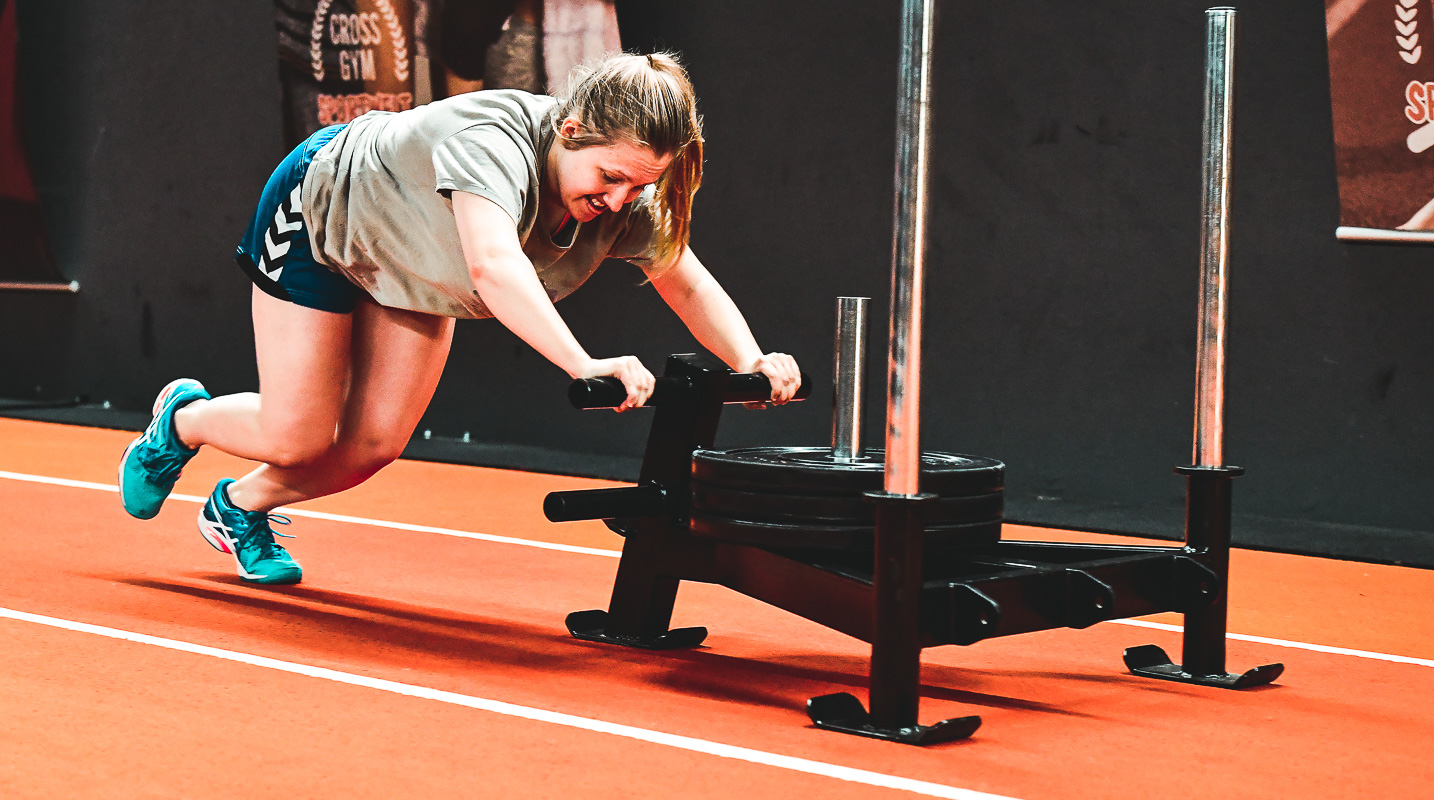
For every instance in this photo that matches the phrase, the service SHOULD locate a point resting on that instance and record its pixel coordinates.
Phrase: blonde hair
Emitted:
(646, 100)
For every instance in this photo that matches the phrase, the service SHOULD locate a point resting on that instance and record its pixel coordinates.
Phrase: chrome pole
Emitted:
(1215, 238)
(913, 146)
(847, 371)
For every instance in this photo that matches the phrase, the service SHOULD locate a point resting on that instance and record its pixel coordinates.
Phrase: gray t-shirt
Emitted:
(377, 204)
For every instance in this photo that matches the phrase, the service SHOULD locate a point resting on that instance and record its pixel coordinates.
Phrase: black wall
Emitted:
(1061, 279)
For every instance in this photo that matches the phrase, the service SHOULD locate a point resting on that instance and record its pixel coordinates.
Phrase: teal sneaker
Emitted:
(151, 464)
(246, 535)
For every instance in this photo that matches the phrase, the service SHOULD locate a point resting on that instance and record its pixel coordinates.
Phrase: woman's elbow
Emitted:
(487, 266)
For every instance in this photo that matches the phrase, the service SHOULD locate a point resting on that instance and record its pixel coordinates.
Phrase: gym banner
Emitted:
(340, 59)
(25, 261)
(1381, 72)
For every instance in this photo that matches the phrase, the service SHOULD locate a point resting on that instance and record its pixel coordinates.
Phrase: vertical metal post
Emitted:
(847, 371)
(1207, 530)
(1215, 237)
(895, 678)
(894, 687)
(913, 146)
(1208, 480)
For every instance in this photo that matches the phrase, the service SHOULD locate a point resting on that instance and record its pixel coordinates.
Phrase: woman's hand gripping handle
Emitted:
(636, 378)
(784, 374)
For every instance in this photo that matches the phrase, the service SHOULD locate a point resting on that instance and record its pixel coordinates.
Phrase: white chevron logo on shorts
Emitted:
(288, 219)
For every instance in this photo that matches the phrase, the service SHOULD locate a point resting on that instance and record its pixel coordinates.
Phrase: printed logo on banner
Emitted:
(340, 59)
(356, 41)
(360, 30)
(1418, 96)
(1382, 96)
(1407, 26)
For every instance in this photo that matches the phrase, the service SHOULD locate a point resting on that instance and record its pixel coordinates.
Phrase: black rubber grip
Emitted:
(742, 387)
(649, 500)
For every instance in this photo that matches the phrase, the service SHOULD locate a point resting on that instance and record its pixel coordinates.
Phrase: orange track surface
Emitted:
(87, 716)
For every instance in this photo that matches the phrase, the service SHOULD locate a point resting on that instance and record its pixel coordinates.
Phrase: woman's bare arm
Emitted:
(708, 311)
(505, 281)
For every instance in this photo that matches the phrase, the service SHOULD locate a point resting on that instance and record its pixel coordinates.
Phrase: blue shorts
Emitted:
(275, 251)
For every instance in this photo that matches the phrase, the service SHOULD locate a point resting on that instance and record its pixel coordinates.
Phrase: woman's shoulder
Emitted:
(505, 107)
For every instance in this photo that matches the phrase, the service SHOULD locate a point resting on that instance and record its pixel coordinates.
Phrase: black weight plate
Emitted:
(849, 509)
(813, 471)
(835, 537)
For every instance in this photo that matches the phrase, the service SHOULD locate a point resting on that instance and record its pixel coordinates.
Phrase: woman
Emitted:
(371, 238)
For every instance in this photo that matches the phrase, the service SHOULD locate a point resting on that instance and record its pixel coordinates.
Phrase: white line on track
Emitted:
(486, 537)
(792, 763)
(297, 512)
(1318, 648)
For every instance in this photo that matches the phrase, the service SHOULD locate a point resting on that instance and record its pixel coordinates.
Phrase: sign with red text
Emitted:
(1381, 69)
(340, 59)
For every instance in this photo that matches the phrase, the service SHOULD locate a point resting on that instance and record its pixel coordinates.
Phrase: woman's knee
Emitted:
(371, 452)
(299, 452)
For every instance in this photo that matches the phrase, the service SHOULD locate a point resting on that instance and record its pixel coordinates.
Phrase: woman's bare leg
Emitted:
(303, 357)
(339, 396)
(396, 360)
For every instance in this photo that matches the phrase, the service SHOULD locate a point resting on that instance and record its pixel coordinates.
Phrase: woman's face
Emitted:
(595, 180)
